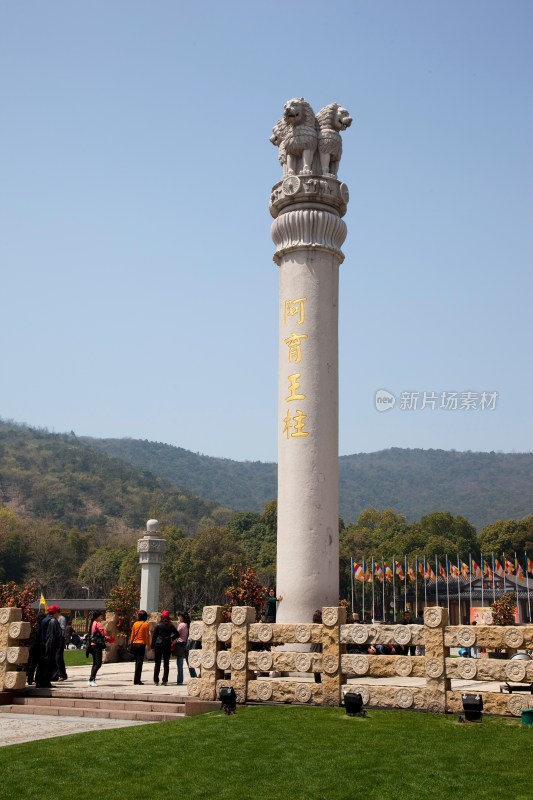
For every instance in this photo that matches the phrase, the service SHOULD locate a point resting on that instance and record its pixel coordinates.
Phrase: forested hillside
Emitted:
(483, 487)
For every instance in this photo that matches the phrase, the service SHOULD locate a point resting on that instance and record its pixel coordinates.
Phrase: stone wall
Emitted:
(12, 631)
(249, 651)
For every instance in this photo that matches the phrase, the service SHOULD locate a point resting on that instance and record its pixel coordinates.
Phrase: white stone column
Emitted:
(151, 549)
(308, 232)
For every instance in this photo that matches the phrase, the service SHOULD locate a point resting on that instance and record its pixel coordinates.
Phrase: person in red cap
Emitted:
(162, 637)
(50, 640)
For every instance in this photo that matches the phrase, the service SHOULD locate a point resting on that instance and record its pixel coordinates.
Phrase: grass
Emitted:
(76, 658)
(280, 753)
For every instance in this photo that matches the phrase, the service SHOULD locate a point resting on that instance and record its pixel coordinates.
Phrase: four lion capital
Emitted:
(309, 144)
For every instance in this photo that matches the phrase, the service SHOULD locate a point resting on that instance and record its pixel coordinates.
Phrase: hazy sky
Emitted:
(139, 295)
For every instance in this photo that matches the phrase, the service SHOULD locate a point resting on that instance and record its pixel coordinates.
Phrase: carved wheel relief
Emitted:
(264, 690)
(467, 668)
(360, 634)
(404, 698)
(5, 614)
(329, 701)
(10, 680)
(238, 615)
(302, 662)
(265, 632)
(291, 185)
(330, 664)
(15, 655)
(435, 707)
(224, 632)
(466, 637)
(516, 704)
(515, 670)
(195, 658)
(303, 693)
(432, 617)
(513, 637)
(193, 687)
(196, 630)
(208, 659)
(223, 660)
(361, 665)
(264, 661)
(330, 616)
(434, 667)
(3, 656)
(238, 660)
(302, 633)
(403, 666)
(402, 634)
(363, 691)
(209, 615)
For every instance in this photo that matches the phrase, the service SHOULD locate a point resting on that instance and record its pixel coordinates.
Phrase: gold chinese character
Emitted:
(293, 386)
(288, 424)
(295, 348)
(294, 307)
(297, 422)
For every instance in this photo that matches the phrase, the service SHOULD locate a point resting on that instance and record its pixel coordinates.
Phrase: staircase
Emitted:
(99, 704)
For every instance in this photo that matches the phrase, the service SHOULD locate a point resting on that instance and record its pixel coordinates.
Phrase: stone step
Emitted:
(107, 704)
(95, 713)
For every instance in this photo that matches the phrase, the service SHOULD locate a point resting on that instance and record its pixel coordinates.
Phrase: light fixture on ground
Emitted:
(472, 706)
(228, 698)
(353, 703)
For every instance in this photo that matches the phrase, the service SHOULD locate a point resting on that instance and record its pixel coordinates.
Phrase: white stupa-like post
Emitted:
(151, 549)
(307, 206)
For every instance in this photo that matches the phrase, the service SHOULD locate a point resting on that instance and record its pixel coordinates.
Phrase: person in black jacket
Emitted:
(50, 638)
(162, 637)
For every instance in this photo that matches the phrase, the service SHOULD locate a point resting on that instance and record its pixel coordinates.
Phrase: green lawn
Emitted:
(76, 658)
(281, 753)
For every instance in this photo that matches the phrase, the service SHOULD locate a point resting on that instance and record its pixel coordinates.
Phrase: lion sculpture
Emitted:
(279, 131)
(301, 137)
(331, 120)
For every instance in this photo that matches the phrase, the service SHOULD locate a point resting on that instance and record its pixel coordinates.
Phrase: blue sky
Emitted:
(139, 295)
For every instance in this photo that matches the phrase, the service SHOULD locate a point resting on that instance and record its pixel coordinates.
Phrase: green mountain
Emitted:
(483, 487)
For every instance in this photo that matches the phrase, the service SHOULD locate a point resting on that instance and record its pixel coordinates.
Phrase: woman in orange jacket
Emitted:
(139, 641)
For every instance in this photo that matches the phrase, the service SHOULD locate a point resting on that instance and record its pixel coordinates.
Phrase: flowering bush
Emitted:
(244, 590)
(14, 596)
(503, 609)
(124, 602)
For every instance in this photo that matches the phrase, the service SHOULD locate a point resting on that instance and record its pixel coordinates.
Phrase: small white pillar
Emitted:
(151, 549)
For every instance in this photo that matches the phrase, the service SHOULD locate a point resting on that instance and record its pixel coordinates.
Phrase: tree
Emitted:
(14, 596)
(100, 571)
(245, 590)
(124, 602)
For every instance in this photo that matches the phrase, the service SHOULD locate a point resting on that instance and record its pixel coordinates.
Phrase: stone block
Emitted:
(8, 615)
(14, 680)
(19, 630)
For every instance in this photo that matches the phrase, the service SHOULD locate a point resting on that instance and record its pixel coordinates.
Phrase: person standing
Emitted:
(271, 606)
(34, 646)
(180, 652)
(50, 635)
(60, 672)
(96, 642)
(162, 637)
(139, 641)
(317, 648)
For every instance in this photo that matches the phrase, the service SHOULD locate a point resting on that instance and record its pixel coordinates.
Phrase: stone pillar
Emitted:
(308, 232)
(151, 549)
(437, 682)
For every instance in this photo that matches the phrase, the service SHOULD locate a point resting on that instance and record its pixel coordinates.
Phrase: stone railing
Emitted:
(245, 648)
(12, 630)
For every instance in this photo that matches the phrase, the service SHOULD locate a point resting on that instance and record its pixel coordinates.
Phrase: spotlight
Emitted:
(228, 698)
(353, 703)
(472, 706)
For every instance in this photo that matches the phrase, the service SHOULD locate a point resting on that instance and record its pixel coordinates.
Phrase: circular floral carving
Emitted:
(290, 185)
(223, 660)
(515, 705)
(360, 634)
(402, 634)
(195, 658)
(330, 664)
(196, 630)
(3, 656)
(403, 666)
(515, 670)
(15, 630)
(264, 661)
(224, 632)
(206, 693)
(302, 633)
(5, 613)
(513, 637)
(302, 662)
(363, 691)
(329, 701)
(435, 707)
(434, 667)
(466, 637)
(265, 632)
(404, 698)
(303, 693)
(432, 617)
(193, 687)
(467, 668)
(330, 616)
(208, 659)
(238, 615)
(209, 615)
(264, 690)
(14, 655)
(360, 665)
(419, 700)
(10, 680)
(238, 660)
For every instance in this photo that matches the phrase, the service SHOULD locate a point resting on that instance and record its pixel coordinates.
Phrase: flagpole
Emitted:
(425, 584)
(493, 579)
(393, 589)
(363, 592)
(470, 578)
(405, 584)
(351, 581)
(383, 587)
(527, 585)
(504, 572)
(416, 585)
(482, 579)
(459, 588)
(373, 592)
(448, 584)
(436, 581)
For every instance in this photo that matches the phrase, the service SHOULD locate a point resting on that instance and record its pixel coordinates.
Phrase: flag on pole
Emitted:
(442, 571)
(42, 602)
(464, 569)
(411, 573)
(429, 573)
(399, 570)
(454, 570)
(358, 572)
(378, 572)
(388, 572)
(422, 569)
(530, 566)
(509, 567)
(487, 569)
(498, 569)
(368, 572)
(519, 572)
(476, 570)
